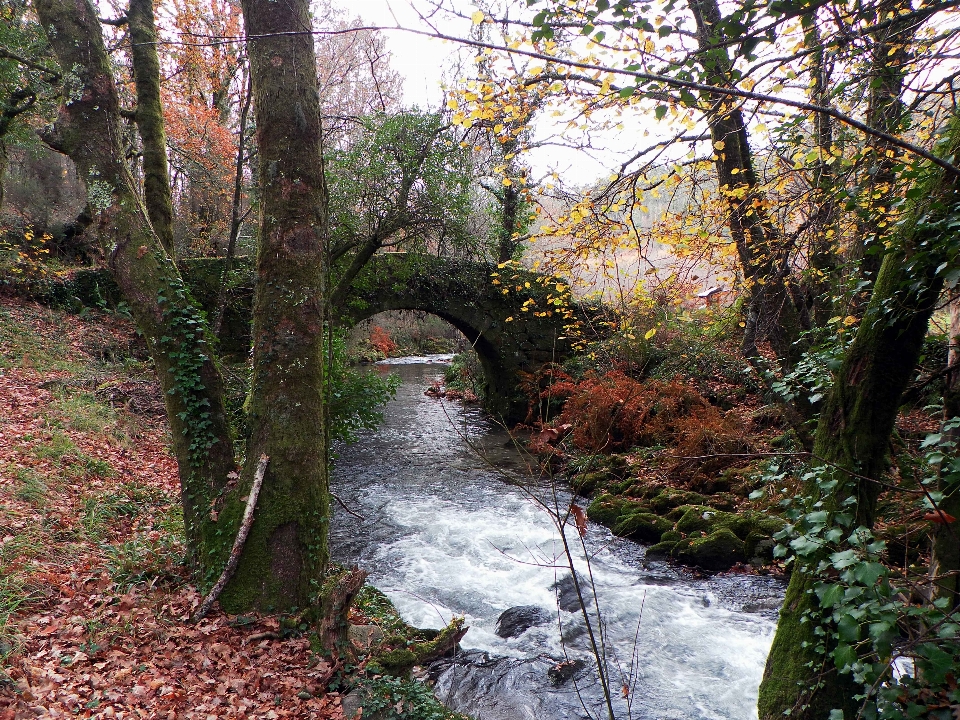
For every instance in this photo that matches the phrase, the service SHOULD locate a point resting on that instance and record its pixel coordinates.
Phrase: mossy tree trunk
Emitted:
(88, 129)
(853, 435)
(146, 73)
(285, 556)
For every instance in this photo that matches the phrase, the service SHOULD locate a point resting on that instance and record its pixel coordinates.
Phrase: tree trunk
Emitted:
(88, 129)
(146, 74)
(945, 540)
(853, 435)
(285, 557)
(4, 164)
(890, 57)
(236, 215)
(823, 226)
(508, 223)
(771, 314)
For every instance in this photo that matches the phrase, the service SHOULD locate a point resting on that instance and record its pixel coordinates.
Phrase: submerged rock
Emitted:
(566, 589)
(513, 688)
(566, 670)
(517, 620)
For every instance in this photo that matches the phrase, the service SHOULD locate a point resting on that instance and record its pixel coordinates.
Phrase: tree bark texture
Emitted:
(146, 74)
(88, 129)
(285, 557)
(853, 434)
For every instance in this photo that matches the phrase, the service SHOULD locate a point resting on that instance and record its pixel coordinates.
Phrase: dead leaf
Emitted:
(580, 518)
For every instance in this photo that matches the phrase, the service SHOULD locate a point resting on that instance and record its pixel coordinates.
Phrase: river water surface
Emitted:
(446, 531)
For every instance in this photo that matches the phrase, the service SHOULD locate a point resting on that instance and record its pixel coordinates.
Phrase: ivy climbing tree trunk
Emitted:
(285, 557)
(88, 129)
(146, 73)
(853, 436)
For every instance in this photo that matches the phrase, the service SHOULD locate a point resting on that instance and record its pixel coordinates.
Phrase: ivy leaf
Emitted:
(830, 594)
(803, 545)
(844, 656)
(848, 629)
(869, 572)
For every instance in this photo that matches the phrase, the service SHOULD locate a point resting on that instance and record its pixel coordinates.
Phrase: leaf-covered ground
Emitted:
(94, 597)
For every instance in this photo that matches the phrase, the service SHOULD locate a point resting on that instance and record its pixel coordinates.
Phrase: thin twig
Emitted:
(344, 506)
(237, 544)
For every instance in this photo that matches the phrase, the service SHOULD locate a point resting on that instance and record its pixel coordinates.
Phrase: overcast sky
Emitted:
(425, 63)
(419, 59)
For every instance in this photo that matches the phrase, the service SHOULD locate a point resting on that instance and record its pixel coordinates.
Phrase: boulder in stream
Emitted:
(517, 620)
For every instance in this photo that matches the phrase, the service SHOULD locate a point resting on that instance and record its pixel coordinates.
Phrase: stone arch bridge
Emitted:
(511, 316)
(514, 318)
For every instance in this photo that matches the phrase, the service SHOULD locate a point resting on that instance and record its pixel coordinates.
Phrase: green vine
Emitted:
(186, 327)
(905, 655)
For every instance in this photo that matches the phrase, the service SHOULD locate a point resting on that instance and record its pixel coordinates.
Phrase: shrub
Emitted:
(381, 342)
(389, 698)
(464, 374)
(614, 411)
(712, 437)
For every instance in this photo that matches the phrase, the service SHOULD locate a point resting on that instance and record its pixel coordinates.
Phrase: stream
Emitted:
(448, 530)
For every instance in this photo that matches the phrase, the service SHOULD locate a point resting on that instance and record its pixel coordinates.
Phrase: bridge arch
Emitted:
(507, 339)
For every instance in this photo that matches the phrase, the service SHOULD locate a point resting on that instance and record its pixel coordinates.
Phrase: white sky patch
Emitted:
(422, 61)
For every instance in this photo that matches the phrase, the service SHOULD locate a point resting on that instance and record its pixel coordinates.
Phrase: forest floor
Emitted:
(94, 595)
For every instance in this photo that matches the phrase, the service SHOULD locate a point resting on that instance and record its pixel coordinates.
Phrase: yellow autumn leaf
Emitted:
(507, 182)
(849, 320)
(477, 17)
(649, 333)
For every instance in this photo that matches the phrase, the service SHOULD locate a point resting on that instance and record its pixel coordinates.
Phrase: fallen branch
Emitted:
(237, 544)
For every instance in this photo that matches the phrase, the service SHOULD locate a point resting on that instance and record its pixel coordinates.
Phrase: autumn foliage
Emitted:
(613, 411)
(381, 341)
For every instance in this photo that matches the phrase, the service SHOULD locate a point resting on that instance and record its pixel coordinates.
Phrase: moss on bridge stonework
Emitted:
(511, 316)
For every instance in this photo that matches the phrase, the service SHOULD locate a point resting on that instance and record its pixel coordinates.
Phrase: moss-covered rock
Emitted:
(671, 498)
(717, 551)
(586, 483)
(662, 550)
(397, 662)
(642, 526)
(606, 509)
(706, 519)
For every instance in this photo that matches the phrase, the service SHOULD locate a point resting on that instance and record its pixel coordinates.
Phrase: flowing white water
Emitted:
(444, 534)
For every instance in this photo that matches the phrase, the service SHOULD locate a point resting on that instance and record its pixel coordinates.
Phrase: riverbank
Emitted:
(95, 597)
(675, 443)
